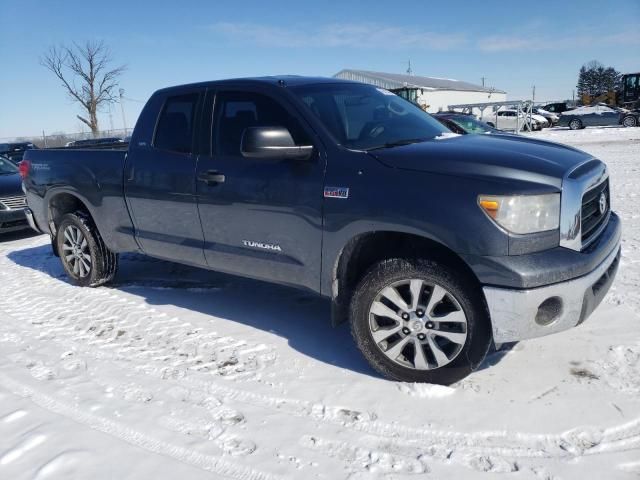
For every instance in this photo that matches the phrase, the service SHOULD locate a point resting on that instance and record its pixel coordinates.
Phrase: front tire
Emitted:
(420, 321)
(84, 256)
(629, 121)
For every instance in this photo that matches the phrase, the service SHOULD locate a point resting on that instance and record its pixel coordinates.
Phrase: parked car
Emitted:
(543, 121)
(15, 151)
(551, 117)
(463, 124)
(433, 245)
(93, 142)
(557, 108)
(598, 115)
(12, 198)
(509, 119)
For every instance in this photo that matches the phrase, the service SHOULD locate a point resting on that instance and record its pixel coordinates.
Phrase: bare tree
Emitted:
(86, 74)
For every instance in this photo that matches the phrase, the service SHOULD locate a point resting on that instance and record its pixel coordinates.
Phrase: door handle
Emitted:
(211, 177)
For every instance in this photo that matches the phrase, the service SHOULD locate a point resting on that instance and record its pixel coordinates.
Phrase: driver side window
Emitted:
(237, 111)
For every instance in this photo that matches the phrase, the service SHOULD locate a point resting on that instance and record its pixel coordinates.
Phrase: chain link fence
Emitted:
(62, 139)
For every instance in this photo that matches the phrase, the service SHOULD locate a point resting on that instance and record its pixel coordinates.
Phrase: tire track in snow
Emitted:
(104, 308)
(101, 317)
(210, 463)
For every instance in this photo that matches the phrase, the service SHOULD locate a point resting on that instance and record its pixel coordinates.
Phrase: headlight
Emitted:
(523, 213)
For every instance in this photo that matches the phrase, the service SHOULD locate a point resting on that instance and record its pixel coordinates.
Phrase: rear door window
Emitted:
(174, 132)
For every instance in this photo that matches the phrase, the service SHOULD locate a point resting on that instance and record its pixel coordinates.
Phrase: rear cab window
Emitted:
(175, 127)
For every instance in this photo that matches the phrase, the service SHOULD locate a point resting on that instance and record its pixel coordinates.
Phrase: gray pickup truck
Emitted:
(433, 245)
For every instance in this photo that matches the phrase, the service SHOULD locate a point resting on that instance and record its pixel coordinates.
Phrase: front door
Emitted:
(160, 184)
(260, 217)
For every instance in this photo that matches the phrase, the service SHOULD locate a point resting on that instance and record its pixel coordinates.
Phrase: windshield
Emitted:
(6, 167)
(363, 117)
(471, 125)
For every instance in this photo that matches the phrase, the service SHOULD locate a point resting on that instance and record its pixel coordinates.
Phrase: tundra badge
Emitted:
(261, 245)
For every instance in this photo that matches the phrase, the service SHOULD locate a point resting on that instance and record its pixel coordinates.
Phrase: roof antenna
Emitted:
(409, 71)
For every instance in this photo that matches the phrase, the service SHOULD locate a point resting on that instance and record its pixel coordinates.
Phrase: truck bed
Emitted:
(95, 176)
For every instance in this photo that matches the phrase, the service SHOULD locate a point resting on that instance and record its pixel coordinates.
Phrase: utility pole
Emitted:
(533, 94)
(124, 119)
(110, 117)
(409, 71)
(44, 139)
(483, 79)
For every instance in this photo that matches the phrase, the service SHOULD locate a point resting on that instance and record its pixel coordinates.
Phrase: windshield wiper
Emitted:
(397, 143)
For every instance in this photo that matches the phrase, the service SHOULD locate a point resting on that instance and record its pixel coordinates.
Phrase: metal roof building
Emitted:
(434, 93)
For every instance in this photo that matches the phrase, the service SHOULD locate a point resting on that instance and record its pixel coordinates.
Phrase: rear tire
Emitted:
(575, 124)
(453, 333)
(629, 121)
(84, 256)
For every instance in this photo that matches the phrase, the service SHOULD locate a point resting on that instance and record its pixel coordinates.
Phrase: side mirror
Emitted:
(272, 142)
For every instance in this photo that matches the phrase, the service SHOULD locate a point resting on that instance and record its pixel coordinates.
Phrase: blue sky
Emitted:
(513, 44)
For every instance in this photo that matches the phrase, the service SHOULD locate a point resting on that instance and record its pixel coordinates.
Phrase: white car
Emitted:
(508, 119)
(551, 117)
(541, 119)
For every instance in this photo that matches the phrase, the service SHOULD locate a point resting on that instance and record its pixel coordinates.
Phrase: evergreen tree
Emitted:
(595, 79)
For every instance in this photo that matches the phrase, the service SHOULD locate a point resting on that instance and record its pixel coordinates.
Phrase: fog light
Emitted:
(549, 311)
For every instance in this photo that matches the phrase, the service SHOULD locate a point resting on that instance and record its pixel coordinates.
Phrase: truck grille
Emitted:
(14, 203)
(592, 218)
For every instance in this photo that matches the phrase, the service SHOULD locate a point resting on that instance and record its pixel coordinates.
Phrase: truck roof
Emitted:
(286, 80)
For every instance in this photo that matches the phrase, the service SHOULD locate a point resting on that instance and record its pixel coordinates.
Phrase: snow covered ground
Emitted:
(174, 372)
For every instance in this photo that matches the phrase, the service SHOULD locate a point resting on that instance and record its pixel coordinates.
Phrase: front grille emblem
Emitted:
(602, 203)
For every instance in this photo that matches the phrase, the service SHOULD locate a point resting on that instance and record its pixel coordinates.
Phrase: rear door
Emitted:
(606, 116)
(160, 183)
(262, 217)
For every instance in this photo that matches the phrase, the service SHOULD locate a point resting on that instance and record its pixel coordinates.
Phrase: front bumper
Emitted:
(518, 314)
(13, 220)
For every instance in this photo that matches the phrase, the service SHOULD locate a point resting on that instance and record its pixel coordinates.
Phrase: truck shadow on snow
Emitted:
(302, 318)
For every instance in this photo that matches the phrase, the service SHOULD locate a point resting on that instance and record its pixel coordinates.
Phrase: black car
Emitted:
(464, 124)
(557, 108)
(93, 142)
(12, 199)
(15, 151)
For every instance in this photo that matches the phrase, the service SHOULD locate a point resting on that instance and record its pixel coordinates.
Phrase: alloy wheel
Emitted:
(417, 324)
(75, 250)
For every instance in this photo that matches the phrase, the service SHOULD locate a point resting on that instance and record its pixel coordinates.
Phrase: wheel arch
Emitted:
(61, 202)
(362, 251)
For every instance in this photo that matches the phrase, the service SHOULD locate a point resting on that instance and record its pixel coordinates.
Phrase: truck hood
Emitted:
(10, 185)
(497, 156)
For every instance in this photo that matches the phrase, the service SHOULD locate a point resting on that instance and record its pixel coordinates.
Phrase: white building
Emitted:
(435, 94)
